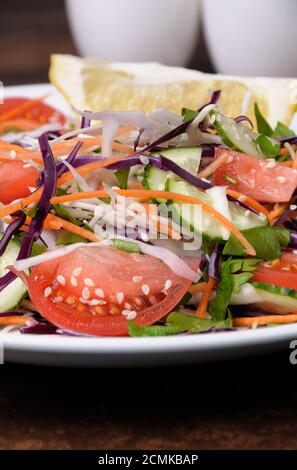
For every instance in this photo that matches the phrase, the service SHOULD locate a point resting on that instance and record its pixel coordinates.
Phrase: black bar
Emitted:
(142, 459)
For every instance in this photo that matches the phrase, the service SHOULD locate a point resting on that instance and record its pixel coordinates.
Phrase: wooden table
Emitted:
(244, 404)
(249, 404)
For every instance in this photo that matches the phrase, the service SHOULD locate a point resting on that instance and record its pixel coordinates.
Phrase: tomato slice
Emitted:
(97, 290)
(17, 180)
(260, 179)
(40, 112)
(281, 273)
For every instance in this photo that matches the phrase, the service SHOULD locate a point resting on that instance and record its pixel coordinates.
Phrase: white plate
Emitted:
(117, 352)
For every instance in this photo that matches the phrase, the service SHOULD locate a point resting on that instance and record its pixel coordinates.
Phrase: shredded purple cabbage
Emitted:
(242, 118)
(39, 328)
(137, 140)
(17, 313)
(85, 122)
(291, 139)
(43, 207)
(214, 264)
(11, 230)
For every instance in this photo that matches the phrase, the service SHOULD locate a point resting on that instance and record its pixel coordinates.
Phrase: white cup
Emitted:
(252, 37)
(165, 31)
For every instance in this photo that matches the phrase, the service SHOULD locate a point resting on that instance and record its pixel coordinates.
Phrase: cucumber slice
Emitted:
(13, 294)
(210, 228)
(236, 136)
(270, 298)
(155, 179)
(187, 158)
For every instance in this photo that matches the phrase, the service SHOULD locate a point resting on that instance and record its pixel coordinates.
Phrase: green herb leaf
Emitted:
(188, 114)
(267, 146)
(218, 306)
(153, 330)
(38, 249)
(267, 242)
(122, 177)
(64, 214)
(282, 130)
(262, 125)
(69, 239)
(230, 179)
(176, 323)
(124, 245)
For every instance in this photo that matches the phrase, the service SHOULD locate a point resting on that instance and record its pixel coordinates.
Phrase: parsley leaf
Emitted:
(267, 242)
(262, 125)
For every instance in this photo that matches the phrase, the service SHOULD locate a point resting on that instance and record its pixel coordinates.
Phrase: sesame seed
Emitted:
(168, 284)
(47, 291)
(12, 154)
(61, 280)
(77, 271)
(270, 164)
(95, 302)
(27, 165)
(145, 289)
(130, 315)
(99, 292)
(89, 282)
(86, 293)
(74, 281)
(293, 207)
(120, 297)
(281, 179)
(137, 279)
(57, 300)
(242, 198)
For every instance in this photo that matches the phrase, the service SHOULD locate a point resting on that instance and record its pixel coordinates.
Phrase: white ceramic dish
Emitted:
(131, 352)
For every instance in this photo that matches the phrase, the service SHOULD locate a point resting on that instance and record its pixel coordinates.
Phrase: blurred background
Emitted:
(30, 31)
(245, 37)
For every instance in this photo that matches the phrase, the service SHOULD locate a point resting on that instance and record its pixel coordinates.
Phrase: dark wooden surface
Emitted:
(246, 404)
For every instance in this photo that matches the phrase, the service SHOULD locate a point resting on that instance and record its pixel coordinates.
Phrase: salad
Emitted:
(125, 223)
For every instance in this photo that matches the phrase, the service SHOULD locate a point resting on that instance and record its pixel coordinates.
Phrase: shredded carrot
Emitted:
(294, 162)
(272, 216)
(213, 166)
(18, 110)
(139, 193)
(62, 148)
(250, 322)
(56, 223)
(14, 320)
(34, 197)
(200, 287)
(134, 193)
(284, 151)
(248, 200)
(161, 227)
(204, 301)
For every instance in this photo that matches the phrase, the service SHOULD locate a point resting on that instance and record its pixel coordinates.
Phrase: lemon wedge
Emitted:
(96, 85)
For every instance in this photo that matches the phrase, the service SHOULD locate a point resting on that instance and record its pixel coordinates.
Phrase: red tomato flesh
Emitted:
(17, 179)
(281, 272)
(260, 179)
(40, 112)
(97, 290)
